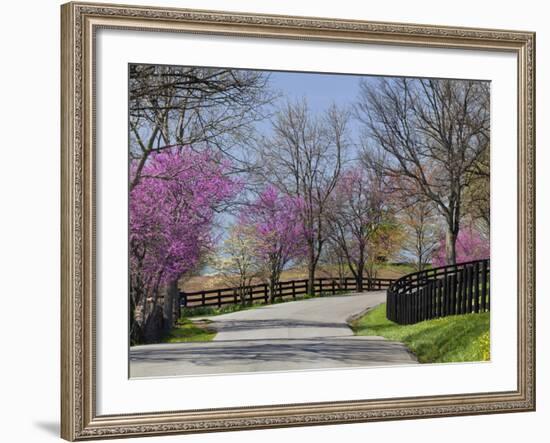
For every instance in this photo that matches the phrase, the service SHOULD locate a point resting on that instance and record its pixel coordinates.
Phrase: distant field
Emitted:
(204, 282)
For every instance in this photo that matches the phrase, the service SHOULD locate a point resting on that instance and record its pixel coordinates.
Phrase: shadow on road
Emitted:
(248, 325)
(290, 351)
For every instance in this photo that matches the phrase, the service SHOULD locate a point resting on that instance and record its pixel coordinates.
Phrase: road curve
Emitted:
(306, 334)
(312, 318)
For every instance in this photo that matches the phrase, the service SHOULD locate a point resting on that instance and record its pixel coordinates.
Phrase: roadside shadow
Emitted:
(273, 323)
(49, 427)
(225, 354)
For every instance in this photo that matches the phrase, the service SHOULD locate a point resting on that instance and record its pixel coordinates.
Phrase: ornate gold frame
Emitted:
(79, 420)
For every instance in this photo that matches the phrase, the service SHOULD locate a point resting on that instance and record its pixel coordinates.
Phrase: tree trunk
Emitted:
(311, 273)
(272, 290)
(450, 246)
(359, 282)
(171, 299)
(420, 261)
(360, 268)
(135, 330)
(176, 305)
(242, 295)
(153, 326)
(242, 291)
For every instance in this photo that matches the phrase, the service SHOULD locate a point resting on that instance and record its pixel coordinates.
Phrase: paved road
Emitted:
(307, 334)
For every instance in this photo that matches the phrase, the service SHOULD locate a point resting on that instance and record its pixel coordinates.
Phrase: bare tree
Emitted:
(357, 212)
(477, 197)
(172, 106)
(420, 223)
(433, 133)
(303, 158)
(362, 225)
(333, 260)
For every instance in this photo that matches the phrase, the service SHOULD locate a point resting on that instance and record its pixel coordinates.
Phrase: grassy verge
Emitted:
(187, 331)
(457, 338)
(201, 311)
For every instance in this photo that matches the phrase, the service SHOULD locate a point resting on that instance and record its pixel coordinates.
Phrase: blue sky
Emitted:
(321, 90)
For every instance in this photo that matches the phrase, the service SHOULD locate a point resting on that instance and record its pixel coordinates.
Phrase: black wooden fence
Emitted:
(449, 290)
(286, 290)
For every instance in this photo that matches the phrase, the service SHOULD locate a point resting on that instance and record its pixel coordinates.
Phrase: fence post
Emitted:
(459, 292)
(464, 274)
(484, 286)
(333, 288)
(203, 298)
(435, 285)
(476, 288)
(452, 284)
(439, 297)
(415, 307)
(446, 295)
(219, 298)
(265, 293)
(488, 285)
(470, 288)
(427, 300)
(430, 299)
(293, 289)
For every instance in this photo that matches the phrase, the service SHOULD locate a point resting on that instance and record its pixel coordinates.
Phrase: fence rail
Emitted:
(285, 290)
(449, 290)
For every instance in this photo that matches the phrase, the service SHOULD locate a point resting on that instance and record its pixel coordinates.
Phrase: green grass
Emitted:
(395, 269)
(200, 311)
(187, 331)
(457, 338)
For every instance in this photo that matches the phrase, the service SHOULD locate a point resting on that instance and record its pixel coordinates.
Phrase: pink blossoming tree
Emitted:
(470, 245)
(278, 230)
(172, 210)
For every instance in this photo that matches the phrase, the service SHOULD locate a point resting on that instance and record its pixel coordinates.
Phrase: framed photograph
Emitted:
(275, 221)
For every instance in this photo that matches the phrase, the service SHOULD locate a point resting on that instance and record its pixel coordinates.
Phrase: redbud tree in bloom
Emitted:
(172, 211)
(470, 245)
(278, 230)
